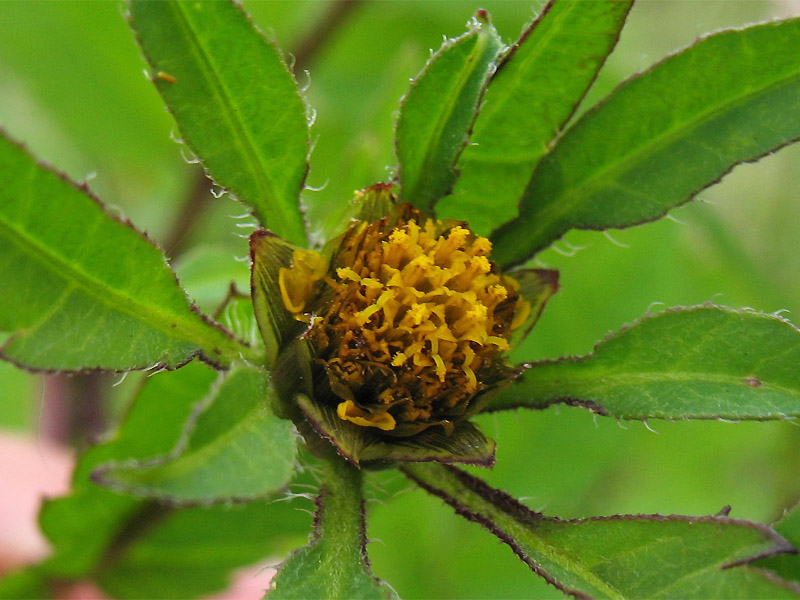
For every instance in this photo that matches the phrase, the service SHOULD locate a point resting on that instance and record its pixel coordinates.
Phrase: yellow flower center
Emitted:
(410, 317)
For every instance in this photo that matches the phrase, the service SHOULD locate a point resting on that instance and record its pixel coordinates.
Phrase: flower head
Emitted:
(411, 317)
(405, 322)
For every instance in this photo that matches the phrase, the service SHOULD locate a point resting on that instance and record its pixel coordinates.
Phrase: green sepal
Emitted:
(362, 446)
(268, 254)
(536, 286)
(375, 202)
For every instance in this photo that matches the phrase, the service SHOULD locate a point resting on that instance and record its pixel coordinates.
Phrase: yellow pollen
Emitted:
(414, 317)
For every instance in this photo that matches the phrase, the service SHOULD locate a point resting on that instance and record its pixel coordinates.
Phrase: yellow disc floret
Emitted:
(412, 315)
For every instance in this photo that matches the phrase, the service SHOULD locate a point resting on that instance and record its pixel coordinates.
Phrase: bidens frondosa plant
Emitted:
(401, 324)
(373, 343)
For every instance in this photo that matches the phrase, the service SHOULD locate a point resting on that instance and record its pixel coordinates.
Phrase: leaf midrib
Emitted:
(564, 202)
(243, 139)
(519, 77)
(590, 379)
(193, 457)
(115, 300)
(445, 115)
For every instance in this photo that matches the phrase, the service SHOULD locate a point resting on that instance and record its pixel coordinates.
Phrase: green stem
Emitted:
(341, 509)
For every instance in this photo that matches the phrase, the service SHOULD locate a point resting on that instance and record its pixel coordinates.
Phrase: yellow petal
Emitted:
(348, 411)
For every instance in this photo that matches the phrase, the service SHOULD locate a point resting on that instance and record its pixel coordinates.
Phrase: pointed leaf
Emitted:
(335, 563)
(138, 549)
(663, 136)
(82, 525)
(537, 87)
(630, 556)
(236, 103)
(268, 255)
(80, 289)
(705, 362)
(466, 444)
(438, 110)
(233, 448)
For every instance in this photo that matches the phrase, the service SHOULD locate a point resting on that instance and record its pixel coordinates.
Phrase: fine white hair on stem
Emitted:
(311, 188)
(175, 137)
(311, 116)
(189, 157)
(674, 219)
(122, 378)
(307, 83)
(646, 424)
(568, 252)
(614, 241)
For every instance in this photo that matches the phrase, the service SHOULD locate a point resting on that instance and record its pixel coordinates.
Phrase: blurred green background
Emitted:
(72, 88)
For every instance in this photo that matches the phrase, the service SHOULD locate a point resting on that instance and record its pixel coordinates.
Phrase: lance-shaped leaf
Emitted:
(536, 89)
(136, 548)
(663, 136)
(236, 103)
(466, 444)
(630, 556)
(82, 526)
(706, 362)
(233, 448)
(335, 563)
(438, 110)
(80, 289)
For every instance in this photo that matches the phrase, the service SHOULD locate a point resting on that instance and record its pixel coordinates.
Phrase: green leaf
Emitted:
(438, 110)
(360, 445)
(139, 549)
(236, 103)
(192, 552)
(80, 289)
(663, 136)
(630, 556)
(705, 362)
(234, 448)
(82, 525)
(785, 565)
(335, 563)
(535, 91)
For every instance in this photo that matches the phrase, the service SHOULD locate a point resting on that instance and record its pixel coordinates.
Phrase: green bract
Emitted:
(379, 342)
